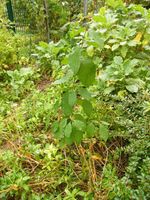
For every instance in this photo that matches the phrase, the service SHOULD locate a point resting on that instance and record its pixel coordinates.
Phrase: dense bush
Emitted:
(13, 49)
(114, 51)
(16, 75)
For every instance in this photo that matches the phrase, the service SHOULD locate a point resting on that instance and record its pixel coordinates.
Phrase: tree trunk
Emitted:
(85, 7)
(47, 19)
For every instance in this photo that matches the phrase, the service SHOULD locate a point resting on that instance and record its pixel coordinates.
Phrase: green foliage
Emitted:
(43, 15)
(87, 72)
(74, 60)
(16, 75)
(142, 2)
(111, 56)
(85, 133)
(46, 56)
(11, 49)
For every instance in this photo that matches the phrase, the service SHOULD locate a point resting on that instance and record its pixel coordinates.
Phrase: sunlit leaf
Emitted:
(87, 72)
(103, 132)
(87, 107)
(74, 59)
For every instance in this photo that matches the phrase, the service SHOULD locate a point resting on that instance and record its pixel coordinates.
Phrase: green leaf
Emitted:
(115, 46)
(132, 43)
(90, 130)
(133, 85)
(58, 134)
(132, 88)
(26, 71)
(72, 98)
(97, 38)
(79, 125)
(66, 107)
(87, 72)
(100, 18)
(134, 62)
(90, 51)
(102, 11)
(85, 93)
(109, 89)
(129, 66)
(64, 79)
(124, 51)
(67, 140)
(68, 130)
(55, 126)
(74, 59)
(87, 107)
(118, 60)
(77, 135)
(63, 123)
(103, 132)
(114, 4)
(69, 99)
(128, 69)
(79, 117)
